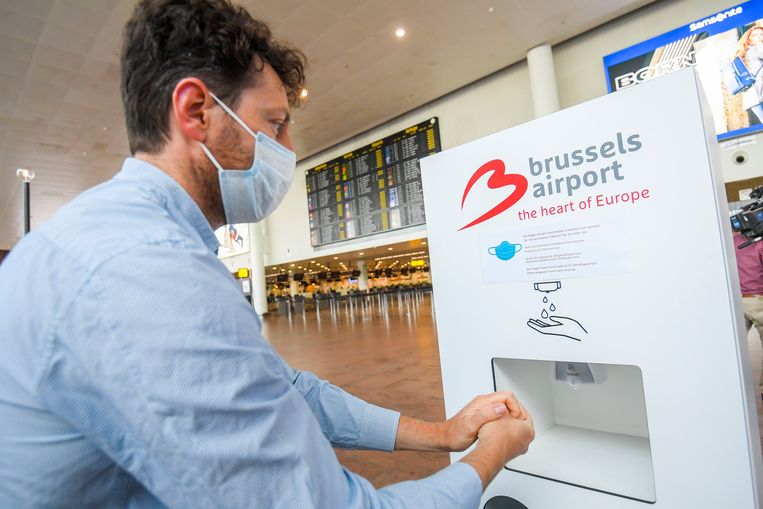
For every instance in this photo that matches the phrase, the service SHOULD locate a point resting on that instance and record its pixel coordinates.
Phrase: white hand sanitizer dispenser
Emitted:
(560, 231)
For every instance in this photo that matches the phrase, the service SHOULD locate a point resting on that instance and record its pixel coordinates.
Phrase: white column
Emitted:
(540, 62)
(363, 278)
(258, 246)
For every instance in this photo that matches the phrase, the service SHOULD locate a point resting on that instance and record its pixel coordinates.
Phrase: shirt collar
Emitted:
(148, 174)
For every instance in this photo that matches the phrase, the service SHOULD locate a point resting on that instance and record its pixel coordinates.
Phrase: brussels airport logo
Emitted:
(498, 179)
(567, 173)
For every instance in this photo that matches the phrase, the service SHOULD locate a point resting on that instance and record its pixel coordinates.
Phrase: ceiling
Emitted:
(397, 256)
(60, 110)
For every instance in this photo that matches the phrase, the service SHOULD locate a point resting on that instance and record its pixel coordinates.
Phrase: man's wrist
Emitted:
(437, 436)
(441, 436)
(417, 435)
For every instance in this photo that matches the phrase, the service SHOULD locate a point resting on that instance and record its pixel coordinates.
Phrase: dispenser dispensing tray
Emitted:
(592, 435)
(608, 462)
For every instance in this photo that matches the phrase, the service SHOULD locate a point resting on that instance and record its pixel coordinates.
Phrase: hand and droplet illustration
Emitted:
(554, 325)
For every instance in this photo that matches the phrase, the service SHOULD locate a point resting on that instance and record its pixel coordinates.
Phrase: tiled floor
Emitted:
(388, 360)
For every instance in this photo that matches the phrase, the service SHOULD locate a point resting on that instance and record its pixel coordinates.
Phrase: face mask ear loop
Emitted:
(211, 157)
(233, 115)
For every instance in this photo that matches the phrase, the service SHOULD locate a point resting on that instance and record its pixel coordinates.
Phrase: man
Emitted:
(750, 267)
(133, 371)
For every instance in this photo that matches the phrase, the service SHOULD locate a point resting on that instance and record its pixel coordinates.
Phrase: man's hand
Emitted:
(511, 436)
(500, 441)
(461, 430)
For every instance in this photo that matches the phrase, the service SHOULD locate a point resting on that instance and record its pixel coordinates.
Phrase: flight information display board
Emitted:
(373, 189)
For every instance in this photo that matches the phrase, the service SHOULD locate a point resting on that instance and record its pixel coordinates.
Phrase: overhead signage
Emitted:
(373, 189)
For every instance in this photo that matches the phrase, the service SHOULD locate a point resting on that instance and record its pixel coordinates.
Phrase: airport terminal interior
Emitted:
(363, 273)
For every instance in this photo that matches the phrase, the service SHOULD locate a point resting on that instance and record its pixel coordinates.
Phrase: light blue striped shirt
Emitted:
(133, 374)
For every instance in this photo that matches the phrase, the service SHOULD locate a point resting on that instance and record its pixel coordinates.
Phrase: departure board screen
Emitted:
(374, 189)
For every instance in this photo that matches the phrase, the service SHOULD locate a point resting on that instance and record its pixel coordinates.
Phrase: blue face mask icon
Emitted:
(505, 250)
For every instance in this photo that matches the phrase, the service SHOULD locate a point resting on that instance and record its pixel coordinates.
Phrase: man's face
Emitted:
(263, 108)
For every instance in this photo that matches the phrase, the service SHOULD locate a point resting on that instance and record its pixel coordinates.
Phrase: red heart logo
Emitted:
(499, 178)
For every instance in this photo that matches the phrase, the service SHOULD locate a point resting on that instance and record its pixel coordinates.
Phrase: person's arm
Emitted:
(351, 423)
(159, 363)
(347, 421)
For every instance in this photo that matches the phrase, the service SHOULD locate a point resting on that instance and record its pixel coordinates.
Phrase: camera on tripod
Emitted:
(749, 222)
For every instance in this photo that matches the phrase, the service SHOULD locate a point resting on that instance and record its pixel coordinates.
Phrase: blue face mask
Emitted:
(505, 250)
(251, 195)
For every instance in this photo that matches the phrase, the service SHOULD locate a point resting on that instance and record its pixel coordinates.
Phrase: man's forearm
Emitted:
(486, 461)
(417, 435)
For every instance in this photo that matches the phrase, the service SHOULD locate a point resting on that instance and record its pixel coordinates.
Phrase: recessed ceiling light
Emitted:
(361, 254)
(390, 248)
(490, 10)
(423, 242)
(292, 265)
(400, 33)
(25, 175)
(336, 258)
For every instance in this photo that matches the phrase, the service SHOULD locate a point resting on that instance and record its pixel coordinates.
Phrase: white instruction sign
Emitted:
(562, 250)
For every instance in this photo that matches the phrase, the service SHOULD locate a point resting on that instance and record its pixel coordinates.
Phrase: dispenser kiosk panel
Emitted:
(584, 261)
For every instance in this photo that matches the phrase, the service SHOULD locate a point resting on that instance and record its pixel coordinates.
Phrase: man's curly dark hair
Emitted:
(213, 40)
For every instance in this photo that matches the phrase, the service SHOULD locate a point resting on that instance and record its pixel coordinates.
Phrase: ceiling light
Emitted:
(361, 254)
(423, 242)
(292, 265)
(400, 33)
(303, 93)
(390, 248)
(25, 175)
(490, 10)
(336, 258)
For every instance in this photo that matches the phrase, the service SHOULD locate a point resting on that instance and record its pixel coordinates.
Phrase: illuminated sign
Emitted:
(711, 45)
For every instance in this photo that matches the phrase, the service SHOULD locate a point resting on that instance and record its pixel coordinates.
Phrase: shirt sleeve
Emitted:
(348, 422)
(159, 362)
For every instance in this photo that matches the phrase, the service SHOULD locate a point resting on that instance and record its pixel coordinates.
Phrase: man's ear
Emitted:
(191, 108)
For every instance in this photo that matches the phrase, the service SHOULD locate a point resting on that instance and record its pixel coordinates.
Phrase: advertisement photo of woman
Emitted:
(750, 50)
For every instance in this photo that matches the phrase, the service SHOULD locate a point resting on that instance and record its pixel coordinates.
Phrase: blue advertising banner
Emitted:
(727, 50)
